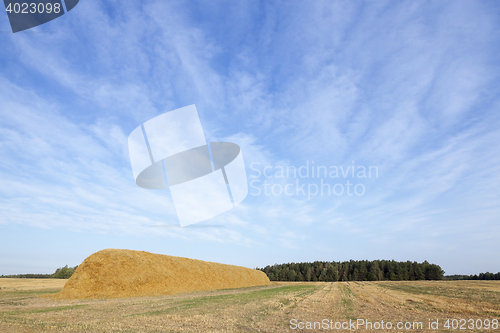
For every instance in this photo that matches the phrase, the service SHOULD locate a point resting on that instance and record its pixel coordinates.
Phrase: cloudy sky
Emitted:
(408, 88)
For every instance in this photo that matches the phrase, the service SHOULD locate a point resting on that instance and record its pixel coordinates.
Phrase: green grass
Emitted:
(51, 309)
(56, 308)
(210, 303)
(20, 293)
(347, 302)
(470, 294)
(19, 297)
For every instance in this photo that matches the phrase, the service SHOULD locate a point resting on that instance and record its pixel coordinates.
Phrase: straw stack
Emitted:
(115, 273)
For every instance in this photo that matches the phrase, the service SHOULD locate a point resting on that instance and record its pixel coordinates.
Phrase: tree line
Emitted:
(60, 273)
(354, 270)
(481, 276)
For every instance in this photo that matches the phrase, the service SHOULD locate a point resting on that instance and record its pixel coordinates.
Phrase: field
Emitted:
(26, 306)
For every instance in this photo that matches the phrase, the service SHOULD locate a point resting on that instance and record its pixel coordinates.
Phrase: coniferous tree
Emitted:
(377, 270)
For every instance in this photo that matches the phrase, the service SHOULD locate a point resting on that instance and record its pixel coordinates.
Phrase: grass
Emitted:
(347, 301)
(44, 310)
(453, 289)
(27, 293)
(266, 309)
(209, 303)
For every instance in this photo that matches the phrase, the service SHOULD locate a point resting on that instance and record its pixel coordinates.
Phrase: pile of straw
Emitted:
(115, 273)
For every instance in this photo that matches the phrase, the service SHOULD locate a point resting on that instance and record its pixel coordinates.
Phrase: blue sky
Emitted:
(410, 87)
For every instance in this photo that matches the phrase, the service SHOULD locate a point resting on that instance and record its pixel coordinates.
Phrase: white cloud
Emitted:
(408, 87)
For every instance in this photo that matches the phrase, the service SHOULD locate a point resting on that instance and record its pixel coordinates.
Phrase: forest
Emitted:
(60, 273)
(481, 276)
(354, 270)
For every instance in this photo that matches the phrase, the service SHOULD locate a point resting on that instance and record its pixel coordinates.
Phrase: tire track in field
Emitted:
(324, 303)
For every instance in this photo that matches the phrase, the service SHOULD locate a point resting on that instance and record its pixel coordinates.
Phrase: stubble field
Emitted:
(26, 306)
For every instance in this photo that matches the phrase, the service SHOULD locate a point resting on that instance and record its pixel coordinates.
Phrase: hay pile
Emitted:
(115, 273)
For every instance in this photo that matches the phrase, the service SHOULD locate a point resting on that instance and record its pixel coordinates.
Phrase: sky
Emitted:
(408, 90)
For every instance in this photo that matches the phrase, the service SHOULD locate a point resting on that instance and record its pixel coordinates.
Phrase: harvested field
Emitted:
(267, 308)
(115, 273)
(8, 284)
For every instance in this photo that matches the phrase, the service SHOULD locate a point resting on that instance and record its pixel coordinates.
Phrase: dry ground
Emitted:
(26, 306)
